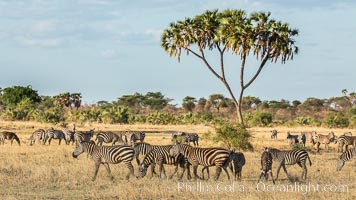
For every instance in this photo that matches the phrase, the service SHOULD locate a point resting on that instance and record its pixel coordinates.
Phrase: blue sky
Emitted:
(109, 48)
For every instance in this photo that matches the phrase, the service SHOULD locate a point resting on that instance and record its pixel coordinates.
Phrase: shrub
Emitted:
(335, 120)
(233, 136)
(261, 119)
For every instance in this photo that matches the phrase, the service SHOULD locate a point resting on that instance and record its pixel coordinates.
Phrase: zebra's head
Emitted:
(79, 149)
(175, 150)
(142, 170)
(288, 135)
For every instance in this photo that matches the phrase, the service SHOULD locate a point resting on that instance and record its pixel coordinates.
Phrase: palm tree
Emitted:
(76, 99)
(231, 30)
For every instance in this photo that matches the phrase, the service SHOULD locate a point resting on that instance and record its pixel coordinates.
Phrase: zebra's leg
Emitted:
(262, 174)
(318, 147)
(175, 171)
(202, 171)
(162, 171)
(106, 165)
(285, 170)
(131, 170)
(12, 140)
(270, 171)
(279, 168)
(59, 141)
(187, 166)
(227, 173)
(97, 165)
(195, 169)
(217, 174)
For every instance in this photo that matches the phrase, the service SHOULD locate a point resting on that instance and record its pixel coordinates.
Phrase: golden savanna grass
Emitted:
(50, 172)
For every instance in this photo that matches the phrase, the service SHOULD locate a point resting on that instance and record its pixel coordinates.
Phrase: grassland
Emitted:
(50, 172)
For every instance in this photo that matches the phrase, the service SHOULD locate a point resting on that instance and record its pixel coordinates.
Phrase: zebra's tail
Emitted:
(309, 161)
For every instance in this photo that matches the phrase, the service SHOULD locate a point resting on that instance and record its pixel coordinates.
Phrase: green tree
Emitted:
(189, 103)
(216, 101)
(234, 136)
(155, 100)
(234, 31)
(135, 101)
(11, 96)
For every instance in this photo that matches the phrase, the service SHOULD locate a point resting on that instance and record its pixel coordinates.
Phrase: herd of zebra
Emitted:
(129, 145)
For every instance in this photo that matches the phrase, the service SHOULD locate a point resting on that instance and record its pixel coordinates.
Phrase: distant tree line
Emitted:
(24, 103)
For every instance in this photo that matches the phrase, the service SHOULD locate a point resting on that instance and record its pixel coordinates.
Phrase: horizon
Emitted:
(105, 49)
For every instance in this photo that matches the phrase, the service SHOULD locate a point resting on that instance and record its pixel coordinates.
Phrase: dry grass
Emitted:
(50, 172)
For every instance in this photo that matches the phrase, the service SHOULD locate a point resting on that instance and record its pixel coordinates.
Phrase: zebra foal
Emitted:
(266, 165)
(105, 155)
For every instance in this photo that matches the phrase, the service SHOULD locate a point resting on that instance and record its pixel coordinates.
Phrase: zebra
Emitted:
(108, 137)
(348, 134)
(266, 166)
(105, 155)
(37, 135)
(290, 157)
(344, 140)
(132, 137)
(144, 148)
(54, 134)
(69, 135)
(325, 139)
(237, 161)
(274, 134)
(218, 157)
(186, 137)
(347, 155)
(310, 137)
(293, 139)
(302, 138)
(84, 136)
(162, 156)
(6, 135)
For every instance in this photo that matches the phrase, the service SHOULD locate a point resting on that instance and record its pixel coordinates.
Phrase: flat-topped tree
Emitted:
(232, 30)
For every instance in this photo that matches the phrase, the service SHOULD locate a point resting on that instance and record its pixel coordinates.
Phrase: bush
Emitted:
(299, 146)
(307, 121)
(336, 120)
(261, 119)
(233, 136)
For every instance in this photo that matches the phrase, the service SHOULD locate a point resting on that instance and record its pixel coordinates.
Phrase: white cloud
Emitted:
(108, 53)
(50, 42)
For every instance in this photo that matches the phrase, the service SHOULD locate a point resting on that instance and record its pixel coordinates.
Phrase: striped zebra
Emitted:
(133, 136)
(144, 148)
(84, 136)
(345, 140)
(162, 156)
(54, 134)
(186, 137)
(274, 134)
(218, 157)
(237, 161)
(293, 139)
(108, 137)
(348, 134)
(325, 139)
(266, 166)
(69, 135)
(290, 157)
(347, 155)
(105, 155)
(38, 135)
(6, 135)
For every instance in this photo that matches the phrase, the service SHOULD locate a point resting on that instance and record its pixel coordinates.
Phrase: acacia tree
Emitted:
(231, 30)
